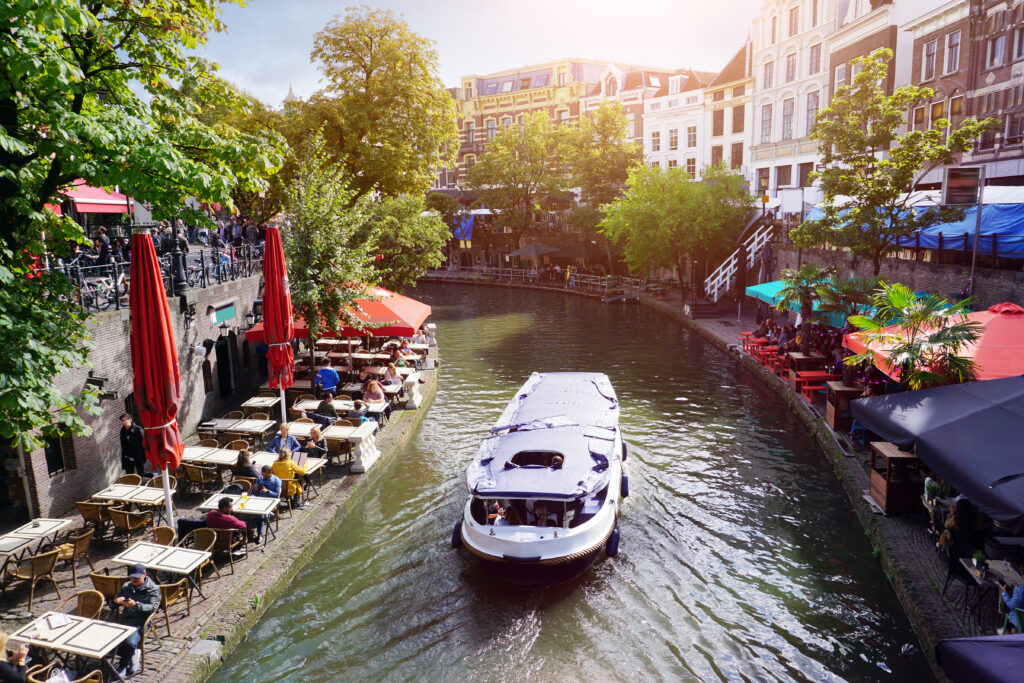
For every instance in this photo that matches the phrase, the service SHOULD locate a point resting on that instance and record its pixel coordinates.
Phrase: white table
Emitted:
(89, 638)
(363, 441)
(220, 457)
(162, 558)
(261, 404)
(254, 505)
(310, 406)
(141, 495)
(18, 542)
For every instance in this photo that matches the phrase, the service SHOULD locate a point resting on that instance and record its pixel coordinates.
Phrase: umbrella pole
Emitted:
(284, 405)
(351, 365)
(167, 496)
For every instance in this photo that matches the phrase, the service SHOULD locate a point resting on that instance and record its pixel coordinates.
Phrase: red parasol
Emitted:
(154, 360)
(277, 315)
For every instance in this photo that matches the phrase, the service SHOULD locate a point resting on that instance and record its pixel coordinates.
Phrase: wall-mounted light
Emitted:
(250, 320)
(224, 330)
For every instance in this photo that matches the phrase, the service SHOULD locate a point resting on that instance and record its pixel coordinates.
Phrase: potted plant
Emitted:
(979, 558)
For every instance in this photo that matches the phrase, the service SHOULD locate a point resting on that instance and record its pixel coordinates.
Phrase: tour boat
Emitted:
(546, 486)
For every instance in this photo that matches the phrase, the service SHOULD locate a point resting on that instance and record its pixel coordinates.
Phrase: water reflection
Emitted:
(718, 576)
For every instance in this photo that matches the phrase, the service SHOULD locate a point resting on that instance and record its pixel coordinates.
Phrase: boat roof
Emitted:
(573, 414)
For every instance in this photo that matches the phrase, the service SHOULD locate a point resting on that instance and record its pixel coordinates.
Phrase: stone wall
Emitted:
(991, 286)
(94, 461)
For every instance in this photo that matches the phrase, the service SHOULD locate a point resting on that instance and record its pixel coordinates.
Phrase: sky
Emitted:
(267, 44)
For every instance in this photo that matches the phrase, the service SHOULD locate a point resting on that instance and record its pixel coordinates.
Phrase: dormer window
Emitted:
(675, 84)
(611, 87)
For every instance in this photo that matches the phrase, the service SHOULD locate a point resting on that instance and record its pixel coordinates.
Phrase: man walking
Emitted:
(133, 453)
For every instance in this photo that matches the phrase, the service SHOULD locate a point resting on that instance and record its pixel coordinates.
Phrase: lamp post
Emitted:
(179, 282)
(263, 206)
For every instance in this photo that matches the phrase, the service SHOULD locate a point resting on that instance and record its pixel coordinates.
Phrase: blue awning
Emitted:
(770, 293)
(986, 659)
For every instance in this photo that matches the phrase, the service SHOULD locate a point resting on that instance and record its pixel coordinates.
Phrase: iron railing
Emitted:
(598, 285)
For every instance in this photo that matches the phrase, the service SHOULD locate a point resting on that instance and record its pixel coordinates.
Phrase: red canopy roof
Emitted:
(397, 315)
(998, 352)
(96, 200)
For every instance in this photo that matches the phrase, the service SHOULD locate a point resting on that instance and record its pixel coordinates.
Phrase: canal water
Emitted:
(740, 556)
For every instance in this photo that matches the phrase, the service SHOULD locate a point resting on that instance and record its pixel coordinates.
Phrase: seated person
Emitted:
(540, 516)
(374, 393)
(244, 467)
(358, 411)
(398, 359)
(13, 668)
(326, 408)
(364, 377)
(316, 444)
(286, 468)
(327, 377)
(221, 518)
(391, 375)
(419, 337)
(1013, 598)
(266, 486)
(284, 440)
(138, 598)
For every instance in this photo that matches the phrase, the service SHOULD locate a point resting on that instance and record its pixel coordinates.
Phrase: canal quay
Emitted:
(741, 555)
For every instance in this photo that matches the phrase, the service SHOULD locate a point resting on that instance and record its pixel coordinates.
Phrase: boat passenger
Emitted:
(1013, 598)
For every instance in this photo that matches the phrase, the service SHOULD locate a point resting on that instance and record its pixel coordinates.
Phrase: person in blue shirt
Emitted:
(284, 440)
(327, 377)
(1013, 597)
(267, 486)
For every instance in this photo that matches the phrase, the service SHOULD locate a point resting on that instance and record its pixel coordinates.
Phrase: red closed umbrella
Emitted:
(154, 362)
(277, 316)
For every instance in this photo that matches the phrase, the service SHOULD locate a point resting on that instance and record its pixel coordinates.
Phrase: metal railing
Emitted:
(105, 287)
(724, 277)
(598, 285)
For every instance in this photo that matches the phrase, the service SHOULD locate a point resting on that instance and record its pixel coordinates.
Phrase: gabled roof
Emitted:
(737, 68)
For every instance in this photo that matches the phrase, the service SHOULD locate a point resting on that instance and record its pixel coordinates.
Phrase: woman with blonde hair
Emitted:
(13, 668)
(286, 468)
(374, 393)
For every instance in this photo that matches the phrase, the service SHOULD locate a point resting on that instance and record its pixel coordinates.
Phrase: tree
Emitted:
(518, 171)
(327, 264)
(93, 91)
(408, 243)
(665, 216)
(869, 168)
(446, 206)
(846, 297)
(385, 112)
(598, 155)
(800, 288)
(923, 337)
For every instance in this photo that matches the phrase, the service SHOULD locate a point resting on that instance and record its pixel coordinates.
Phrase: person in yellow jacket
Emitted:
(285, 468)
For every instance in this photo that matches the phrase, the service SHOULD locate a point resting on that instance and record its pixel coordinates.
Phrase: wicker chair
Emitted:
(226, 542)
(259, 416)
(342, 397)
(202, 477)
(304, 420)
(172, 593)
(202, 539)
(163, 535)
(41, 674)
(210, 443)
(32, 569)
(130, 479)
(108, 586)
(238, 445)
(74, 546)
(89, 604)
(305, 397)
(235, 415)
(96, 514)
(268, 394)
(130, 522)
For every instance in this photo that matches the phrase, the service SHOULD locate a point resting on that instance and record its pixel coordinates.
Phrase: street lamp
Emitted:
(224, 330)
(263, 206)
(250, 320)
(179, 283)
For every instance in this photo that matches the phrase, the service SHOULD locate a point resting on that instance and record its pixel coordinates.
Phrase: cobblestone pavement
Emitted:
(202, 635)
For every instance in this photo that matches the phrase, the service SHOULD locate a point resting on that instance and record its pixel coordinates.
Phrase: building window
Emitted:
(794, 22)
(655, 106)
(996, 51)
(674, 85)
(718, 96)
(1018, 44)
(467, 93)
(507, 86)
(524, 83)
(956, 110)
(541, 81)
(855, 69)
(813, 104)
(938, 111)
(611, 86)
(691, 100)
(673, 139)
(691, 136)
(716, 155)
(672, 163)
(1015, 129)
(655, 141)
(490, 129)
(787, 118)
(814, 66)
(563, 117)
(790, 68)
(769, 71)
(691, 167)
(762, 180)
(919, 120)
(470, 161)
(736, 156)
(739, 91)
(717, 122)
(630, 125)
(952, 52)
(521, 120)
(738, 114)
(561, 78)
(655, 164)
(506, 122)
(840, 76)
(783, 176)
(805, 173)
(928, 61)
(774, 30)
(766, 123)
(60, 454)
(470, 131)
(492, 88)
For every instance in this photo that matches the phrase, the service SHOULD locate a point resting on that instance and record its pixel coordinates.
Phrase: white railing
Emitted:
(724, 277)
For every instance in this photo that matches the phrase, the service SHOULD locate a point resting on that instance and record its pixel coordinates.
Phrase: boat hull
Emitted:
(536, 573)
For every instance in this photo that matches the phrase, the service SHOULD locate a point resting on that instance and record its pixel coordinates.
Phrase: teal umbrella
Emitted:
(771, 294)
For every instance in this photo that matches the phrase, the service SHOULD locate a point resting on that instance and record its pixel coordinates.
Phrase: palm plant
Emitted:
(847, 297)
(800, 288)
(924, 336)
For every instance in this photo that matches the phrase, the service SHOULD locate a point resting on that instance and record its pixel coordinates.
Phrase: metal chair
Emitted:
(130, 522)
(227, 542)
(171, 593)
(89, 604)
(238, 445)
(266, 393)
(163, 535)
(75, 545)
(304, 420)
(41, 674)
(32, 569)
(130, 479)
(201, 539)
(305, 397)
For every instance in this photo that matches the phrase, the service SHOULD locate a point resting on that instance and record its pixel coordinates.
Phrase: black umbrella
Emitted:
(534, 249)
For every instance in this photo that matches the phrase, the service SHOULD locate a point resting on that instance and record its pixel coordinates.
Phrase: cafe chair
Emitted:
(226, 542)
(1006, 620)
(41, 674)
(203, 539)
(235, 415)
(241, 486)
(171, 593)
(147, 628)
(348, 422)
(259, 416)
(75, 546)
(208, 436)
(209, 443)
(342, 397)
(95, 514)
(955, 570)
(108, 586)
(89, 604)
(305, 397)
(130, 479)
(32, 569)
(337, 449)
(238, 445)
(267, 393)
(157, 482)
(201, 478)
(163, 535)
(129, 522)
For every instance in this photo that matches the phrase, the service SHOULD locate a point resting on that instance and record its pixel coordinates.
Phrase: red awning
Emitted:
(397, 315)
(97, 200)
(277, 311)
(998, 352)
(55, 208)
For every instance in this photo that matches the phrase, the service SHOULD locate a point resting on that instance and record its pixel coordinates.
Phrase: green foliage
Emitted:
(666, 215)
(801, 288)
(846, 297)
(409, 242)
(96, 91)
(384, 111)
(328, 249)
(923, 336)
(446, 206)
(868, 167)
(518, 172)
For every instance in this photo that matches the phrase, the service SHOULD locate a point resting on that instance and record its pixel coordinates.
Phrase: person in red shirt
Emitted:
(221, 518)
